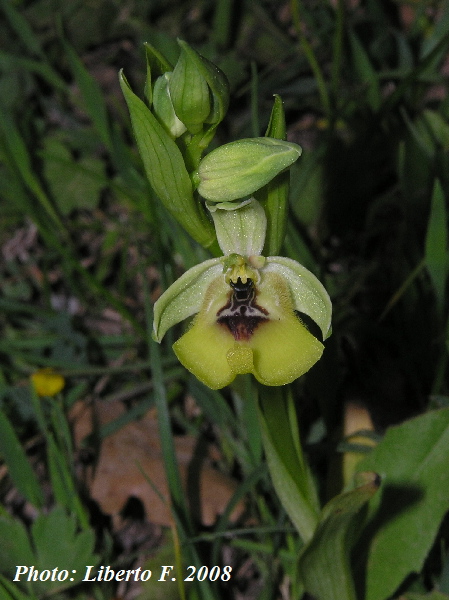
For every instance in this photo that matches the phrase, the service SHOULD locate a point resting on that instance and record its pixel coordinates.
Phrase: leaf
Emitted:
(62, 481)
(9, 591)
(16, 64)
(152, 589)
(22, 28)
(92, 96)
(325, 562)
(412, 461)
(436, 253)
(19, 467)
(431, 596)
(18, 155)
(58, 543)
(307, 193)
(15, 548)
(438, 126)
(366, 72)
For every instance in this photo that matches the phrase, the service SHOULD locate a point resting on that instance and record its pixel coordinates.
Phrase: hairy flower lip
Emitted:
(242, 315)
(276, 351)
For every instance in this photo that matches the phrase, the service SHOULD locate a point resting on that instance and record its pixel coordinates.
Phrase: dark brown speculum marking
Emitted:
(241, 315)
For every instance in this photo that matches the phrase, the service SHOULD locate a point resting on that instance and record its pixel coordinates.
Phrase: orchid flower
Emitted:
(245, 307)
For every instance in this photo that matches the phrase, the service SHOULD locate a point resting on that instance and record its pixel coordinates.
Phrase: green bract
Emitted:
(165, 169)
(245, 307)
(238, 169)
(274, 196)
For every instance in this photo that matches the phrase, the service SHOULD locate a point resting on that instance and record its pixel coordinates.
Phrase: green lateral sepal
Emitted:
(308, 293)
(185, 296)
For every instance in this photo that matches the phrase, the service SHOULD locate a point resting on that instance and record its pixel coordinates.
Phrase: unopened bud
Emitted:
(238, 169)
(199, 90)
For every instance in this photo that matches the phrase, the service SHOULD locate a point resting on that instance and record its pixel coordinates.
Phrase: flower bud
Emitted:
(163, 107)
(238, 169)
(199, 90)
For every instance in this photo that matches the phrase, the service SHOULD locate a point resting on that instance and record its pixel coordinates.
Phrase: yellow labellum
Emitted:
(277, 348)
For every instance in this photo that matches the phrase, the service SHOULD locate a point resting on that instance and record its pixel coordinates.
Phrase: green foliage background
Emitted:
(86, 248)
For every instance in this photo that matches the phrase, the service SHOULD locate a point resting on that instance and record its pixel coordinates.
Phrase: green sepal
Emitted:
(274, 196)
(324, 563)
(240, 227)
(238, 169)
(165, 169)
(163, 107)
(185, 296)
(308, 293)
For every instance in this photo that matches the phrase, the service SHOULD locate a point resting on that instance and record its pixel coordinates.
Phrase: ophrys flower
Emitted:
(246, 307)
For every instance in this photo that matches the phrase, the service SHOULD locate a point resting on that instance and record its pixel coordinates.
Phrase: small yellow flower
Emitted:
(47, 382)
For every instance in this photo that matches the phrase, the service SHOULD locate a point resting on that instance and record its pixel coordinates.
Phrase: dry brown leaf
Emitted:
(132, 455)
